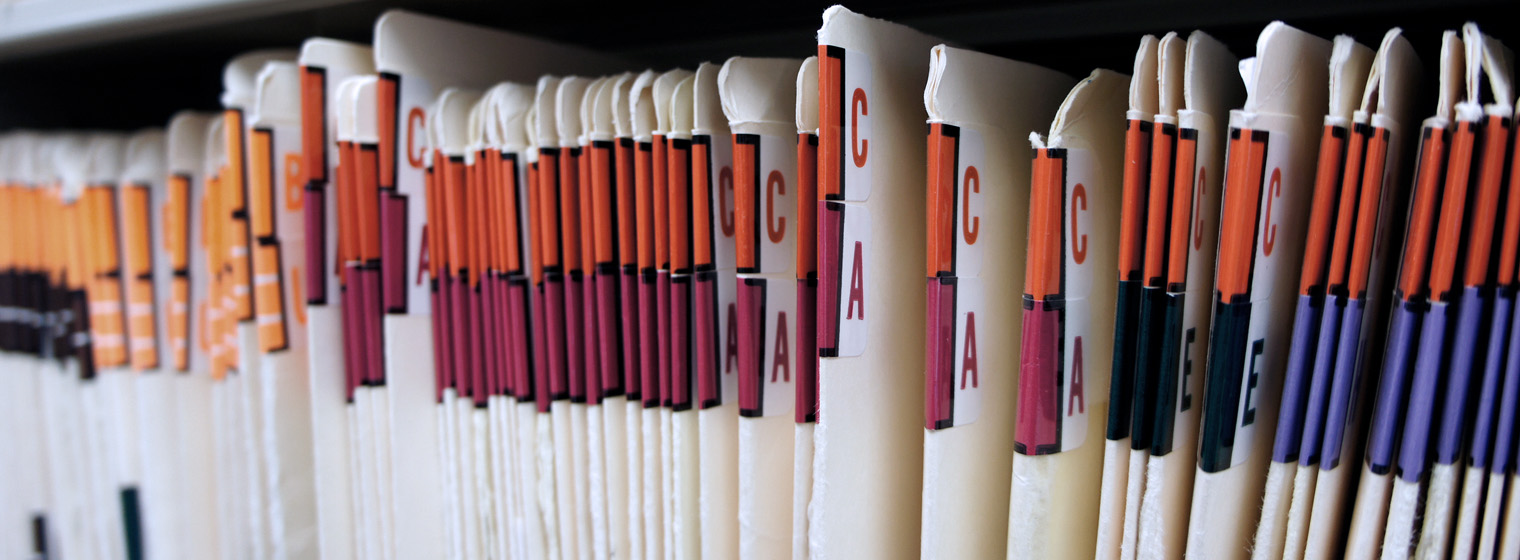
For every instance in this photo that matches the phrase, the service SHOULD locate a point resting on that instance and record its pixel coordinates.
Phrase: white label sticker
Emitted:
(1076, 337)
(778, 349)
(1076, 397)
(855, 287)
(721, 201)
(857, 98)
(970, 307)
(776, 203)
(411, 118)
(972, 158)
(289, 181)
(1203, 233)
(1263, 353)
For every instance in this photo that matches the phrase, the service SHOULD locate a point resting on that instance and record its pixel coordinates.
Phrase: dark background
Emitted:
(132, 79)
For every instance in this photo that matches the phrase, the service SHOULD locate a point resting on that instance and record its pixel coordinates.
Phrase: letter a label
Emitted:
(410, 182)
(972, 319)
(855, 287)
(777, 348)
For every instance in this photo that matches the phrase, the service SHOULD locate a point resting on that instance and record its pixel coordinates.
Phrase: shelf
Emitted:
(38, 26)
(125, 64)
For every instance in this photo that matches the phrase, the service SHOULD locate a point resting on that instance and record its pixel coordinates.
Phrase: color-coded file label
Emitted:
(765, 357)
(844, 113)
(955, 304)
(716, 308)
(1053, 411)
(402, 105)
(956, 207)
(955, 297)
(844, 237)
(766, 163)
(1238, 345)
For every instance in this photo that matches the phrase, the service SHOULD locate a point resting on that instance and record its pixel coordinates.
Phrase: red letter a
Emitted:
(857, 288)
(968, 362)
(424, 259)
(782, 358)
(1076, 382)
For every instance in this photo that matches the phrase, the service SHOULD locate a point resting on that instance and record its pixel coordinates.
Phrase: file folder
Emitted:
(595, 169)
(1327, 233)
(184, 350)
(758, 95)
(1476, 299)
(140, 201)
(647, 155)
(977, 204)
(715, 316)
(1115, 505)
(512, 104)
(277, 240)
(241, 331)
(870, 142)
(325, 64)
(1483, 490)
(631, 251)
(663, 91)
(566, 126)
(373, 399)
(117, 509)
(28, 283)
(605, 196)
(1076, 176)
(449, 231)
(1210, 87)
(416, 56)
(1360, 299)
(805, 408)
(1469, 199)
(1411, 287)
(1272, 139)
(684, 427)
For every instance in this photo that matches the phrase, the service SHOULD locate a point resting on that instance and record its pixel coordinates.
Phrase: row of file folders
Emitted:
(447, 298)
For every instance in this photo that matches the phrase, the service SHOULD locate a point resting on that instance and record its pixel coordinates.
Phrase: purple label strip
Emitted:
(1344, 385)
(1460, 374)
(1388, 410)
(1301, 359)
(1484, 424)
(1504, 442)
(1325, 359)
(1414, 449)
